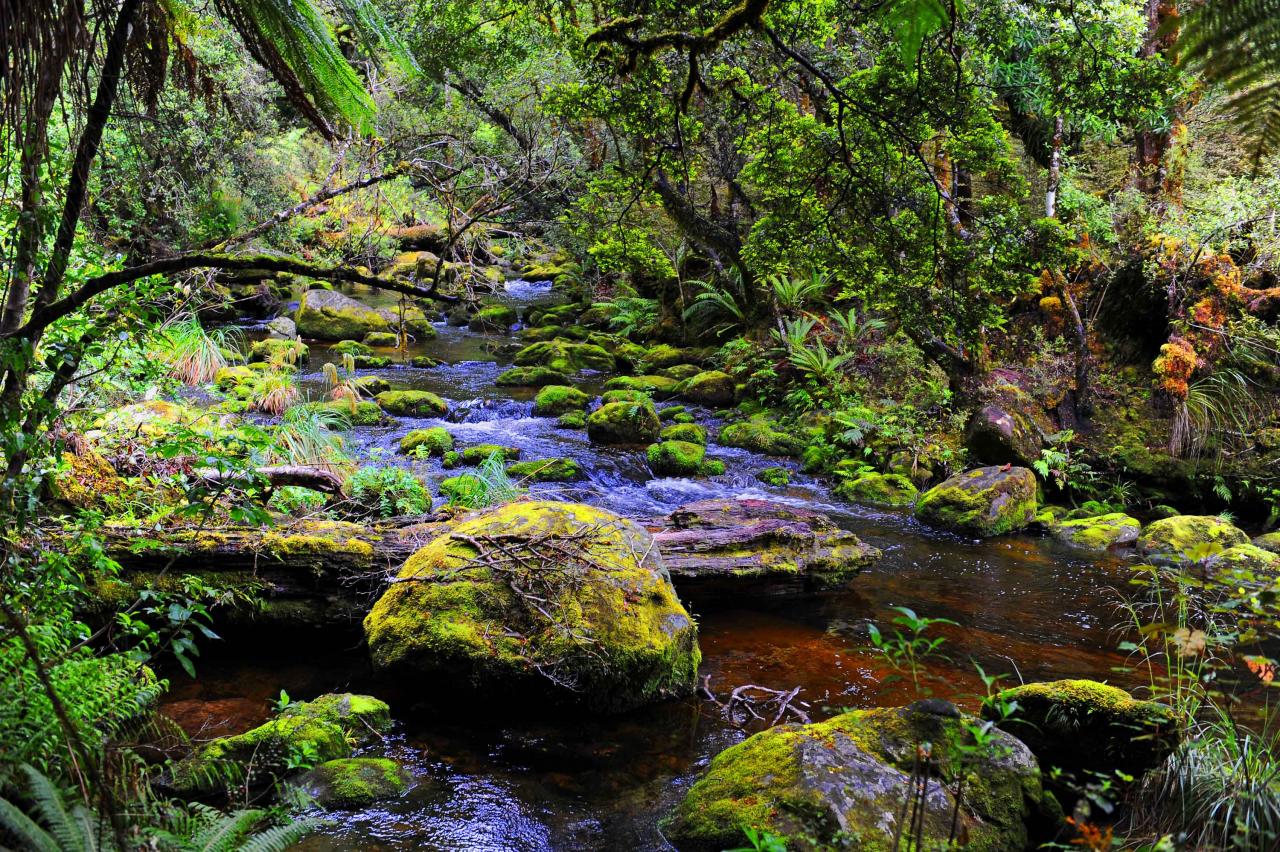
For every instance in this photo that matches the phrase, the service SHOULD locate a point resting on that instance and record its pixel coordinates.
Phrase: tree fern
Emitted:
(1236, 43)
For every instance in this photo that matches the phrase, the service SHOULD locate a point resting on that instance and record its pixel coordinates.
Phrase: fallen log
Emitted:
(281, 476)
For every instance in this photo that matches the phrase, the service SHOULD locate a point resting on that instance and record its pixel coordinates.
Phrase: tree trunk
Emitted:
(1055, 171)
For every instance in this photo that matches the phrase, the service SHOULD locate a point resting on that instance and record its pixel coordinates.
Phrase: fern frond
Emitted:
(280, 837)
(25, 830)
(225, 833)
(376, 36)
(65, 824)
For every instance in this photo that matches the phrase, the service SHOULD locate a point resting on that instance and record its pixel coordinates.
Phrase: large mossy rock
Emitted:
(554, 400)
(762, 436)
(531, 377)
(1087, 726)
(676, 458)
(1269, 542)
(1102, 532)
(1246, 558)
(986, 501)
(353, 782)
(412, 403)
(583, 614)
(658, 387)
(623, 423)
(330, 315)
(1002, 434)
(713, 388)
(493, 319)
(1187, 538)
(546, 470)
(435, 441)
(735, 544)
(843, 784)
(564, 356)
(888, 490)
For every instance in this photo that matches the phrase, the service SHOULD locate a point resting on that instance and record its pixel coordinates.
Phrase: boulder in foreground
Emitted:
(985, 501)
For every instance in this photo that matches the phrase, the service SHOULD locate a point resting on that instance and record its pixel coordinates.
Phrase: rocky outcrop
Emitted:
(1188, 538)
(1001, 434)
(842, 784)
(330, 315)
(987, 501)
(1102, 532)
(747, 544)
(555, 602)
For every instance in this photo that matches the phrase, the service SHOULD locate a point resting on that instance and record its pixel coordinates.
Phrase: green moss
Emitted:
(690, 432)
(625, 396)
(424, 362)
(712, 467)
(670, 413)
(623, 423)
(628, 640)
(230, 378)
(546, 470)
(86, 480)
(480, 452)
(1269, 542)
(1184, 538)
(1247, 557)
(878, 489)
(565, 357)
(350, 347)
(412, 403)
(572, 420)
(325, 545)
(554, 400)
(533, 377)
(493, 318)
(676, 458)
(276, 351)
(363, 413)
(760, 436)
(986, 501)
(712, 388)
(382, 338)
(658, 387)
(354, 782)
(451, 460)
(435, 441)
(775, 476)
(599, 315)
(457, 486)
(329, 315)
(1097, 533)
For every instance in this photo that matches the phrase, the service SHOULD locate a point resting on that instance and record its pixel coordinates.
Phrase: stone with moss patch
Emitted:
(276, 351)
(676, 458)
(1188, 538)
(452, 487)
(86, 479)
(493, 319)
(712, 388)
(531, 377)
(554, 400)
(605, 630)
(1269, 542)
(435, 441)
(350, 347)
(658, 387)
(986, 501)
(330, 315)
(381, 338)
(691, 432)
(353, 782)
(546, 470)
(841, 784)
(481, 452)
(572, 420)
(362, 413)
(670, 413)
(412, 403)
(1246, 558)
(623, 423)
(1097, 533)
(625, 396)
(564, 356)
(778, 477)
(1084, 725)
(888, 490)
(762, 436)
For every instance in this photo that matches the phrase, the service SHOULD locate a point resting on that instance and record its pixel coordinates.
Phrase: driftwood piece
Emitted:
(280, 476)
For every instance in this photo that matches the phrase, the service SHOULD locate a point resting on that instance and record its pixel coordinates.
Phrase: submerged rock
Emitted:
(1084, 725)
(1097, 533)
(594, 621)
(890, 490)
(353, 782)
(733, 542)
(986, 501)
(330, 315)
(554, 400)
(623, 423)
(1187, 538)
(842, 784)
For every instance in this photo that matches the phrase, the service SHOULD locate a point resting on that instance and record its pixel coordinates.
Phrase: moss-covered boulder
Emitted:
(481, 452)
(435, 441)
(330, 315)
(531, 377)
(604, 629)
(353, 348)
(1084, 725)
(493, 319)
(778, 477)
(676, 458)
(564, 356)
(1003, 434)
(691, 432)
(1102, 532)
(664, 355)
(657, 387)
(599, 315)
(554, 400)
(986, 501)
(1269, 542)
(762, 436)
(412, 403)
(889, 490)
(381, 338)
(546, 470)
(1246, 557)
(228, 379)
(1187, 538)
(276, 351)
(362, 413)
(670, 413)
(623, 423)
(353, 782)
(843, 784)
(712, 388)
(572, 420)
(680, 372)
(85, 479)
(457, 487)
(624, 396)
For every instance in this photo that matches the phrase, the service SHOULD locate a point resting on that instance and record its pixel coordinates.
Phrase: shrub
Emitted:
(386, 492)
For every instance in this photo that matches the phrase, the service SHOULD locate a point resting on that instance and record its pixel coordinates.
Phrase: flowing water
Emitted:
(502, 780)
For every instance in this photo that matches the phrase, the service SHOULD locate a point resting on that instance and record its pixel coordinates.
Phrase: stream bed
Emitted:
(502, 780)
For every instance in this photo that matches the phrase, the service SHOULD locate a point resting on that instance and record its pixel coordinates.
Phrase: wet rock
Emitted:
(1001, 434)
(412, 403)
(986, 501)
(362, 413)
(546, 470)
(435, 441)
(658, 387)
(572, 420)
(554, 400)
(691, 432)
(371, 385)
(1086, 726)
(726, 543)
(1246, 557)
(842, 784)
(625, 396)
(283, 328)
(761, 436)
(603, 629)
(481, 452)
(279, 351)
(778, 477)
(354, 348)
(1269, 542)
(330, 315)
(676, 458)
(353, 782)
(531, 377)
(381, 338)
(889, 490)
(493, 319)
(1098, 533)
(623, 423)
(1187, 538)
(713, 389)
(564, 356)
